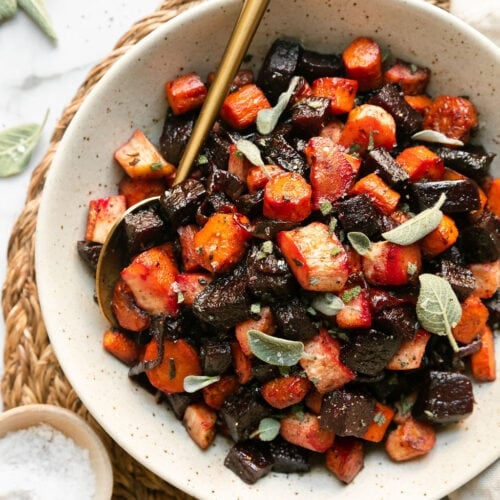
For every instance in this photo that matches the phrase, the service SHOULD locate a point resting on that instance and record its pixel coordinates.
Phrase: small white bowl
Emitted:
(73, 427)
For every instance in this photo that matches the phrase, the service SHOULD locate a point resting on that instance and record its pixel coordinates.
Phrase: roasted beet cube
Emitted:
(267, 229)
(444, 397)
(400, 321)
(389, 97)
(379, 160)
(180, 202)
(278, 151)
(279, 65)
(224, 302)
(480, 242)
(369, 351)
(347, 413)
(288, 457)
(474, 164)
(241, 413)
(144, 229)
(249, 461)
(293, 321)
(251, 204)
(459, 277)
(222, 180)
(215, 355)
(310, 114)
(263, 372)
(89, 251)
(177, 130)
(314, 65)
(461, 195)
(359, 214)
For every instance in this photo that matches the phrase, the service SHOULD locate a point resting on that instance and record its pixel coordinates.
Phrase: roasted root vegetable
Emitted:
(264, 323)
(487, 277)
(341, 92)
(137, 189)
(121, 346)
(483, 362)
(440, 239)
(306, 431)
(409, 440)
(412, 79)
(346, 458)
(185, 93)
(215, 394)
(286, 391)
(102, 215)
(472, 322)
(411, 352)
(382, 418)
(382, 196)
(128, 314)
(200, 422)
(363, 62)
(420, 162)
(420, 103)
(493, 197)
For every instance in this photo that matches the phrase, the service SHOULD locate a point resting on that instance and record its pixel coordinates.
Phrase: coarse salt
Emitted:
(41, 463)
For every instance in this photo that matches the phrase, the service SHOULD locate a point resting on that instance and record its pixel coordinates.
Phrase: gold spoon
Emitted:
(112, 258)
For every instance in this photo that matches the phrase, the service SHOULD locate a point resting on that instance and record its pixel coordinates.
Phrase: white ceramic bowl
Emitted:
(73, 427)
(131, 96)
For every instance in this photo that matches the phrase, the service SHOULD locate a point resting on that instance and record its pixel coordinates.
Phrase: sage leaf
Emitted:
(7, 9)
(251, 152)
(359, 241)
(327, 304)
(438, 308)
(268, 429)
(267, 119)
(38, 12)
(193, 383)
(16, 145)
(417, 227)
(273, 350)
(434, 136)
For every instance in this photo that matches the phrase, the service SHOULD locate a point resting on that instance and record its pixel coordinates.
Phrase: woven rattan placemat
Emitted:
(31, 371)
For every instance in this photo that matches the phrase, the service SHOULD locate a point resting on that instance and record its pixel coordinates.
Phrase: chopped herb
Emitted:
(267, 247)
(198, 250)
(413, 68)
(335, 251)
(379, 418)
(332, 225)
(411, 269)
(351, 294)
(297, 262)
(156, 166)
(255, 308)
(326, 207)
(428, 414)
(202, 160)
(172, 371)
(311, 311)
(180, 297)
(314, 281)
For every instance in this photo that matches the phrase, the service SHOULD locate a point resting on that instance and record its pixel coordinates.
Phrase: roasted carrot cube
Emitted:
(323, 367)
(185, 93)
(420, 103)
(265, 323)
(140, 158)
(410, 439)
(286, 391)
(215, 394)
(127, 313)
(389, 264)
(150, 277)
(420, 162)
(287, 197)
(368, 126)
(102, 215)
(331, 174)
(357, 313)
(487, 276)
(453, 116)
(474, 317)
(306, 431)
(200, 423)
(258, 177)
(121, 346)
(180, 359)
(136, 190)
(346, 458)
(188, 248)
(189, 285)
(363, 62)
(315, 256)
(221, 242)
(240, 108)
(340, 91)
(238, 163)
(383, 197)
(440, 239)
(412, 79)
(493, 197)
(381, 420)
(483, 362)
(410, 353)
(242, 363)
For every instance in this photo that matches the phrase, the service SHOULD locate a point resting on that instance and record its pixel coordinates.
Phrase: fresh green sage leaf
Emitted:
(417, 227)
(438, 308)
(268, 429)
(193, 383)
(7, 9)
(428, 135)
(38, 12)
(273, 350)
(251, 151)
(16, 146)
(327, 304)
(359, 241)
(267, 119)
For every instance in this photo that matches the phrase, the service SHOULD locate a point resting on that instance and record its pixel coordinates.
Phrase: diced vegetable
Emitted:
(487, 276)
(306, 431)
(264, 323)
(380, 423)
(346, 458)
(412, 79)
(102, 215)
(340, 91)
(420, 103)
(121, 346)
(200, 421)
(409, 440)
(188, 248)
(483, 362)
(242, 364)
(363, 62)
(420, 162)
(473, 320)
(128, 314)
(411, 352)
(137, 189)
(494, 197)
(189, 285)
(357, 313)
(383, 197)
(286, 391)
(185, 93)
(215, 394)
(258, 177)
(440, 239)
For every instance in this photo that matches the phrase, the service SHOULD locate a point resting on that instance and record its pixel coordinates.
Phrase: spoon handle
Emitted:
(244, 30)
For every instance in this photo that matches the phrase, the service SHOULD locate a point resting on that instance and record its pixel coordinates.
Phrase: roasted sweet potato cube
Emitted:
(346, 458)
(121, 346)
(440, 239)
(285, 391)
(199, 421)
(150, 277)
(483, 362)
(410, 353)
(264, 323)
(340, 91)
(409, 440)
(317, 258)
(474, 317)
(102, 214)
(185, 93)
(381, 420)
(140, 158)
(322, 364)
(420, 162)
(306, 431)
(136, 190)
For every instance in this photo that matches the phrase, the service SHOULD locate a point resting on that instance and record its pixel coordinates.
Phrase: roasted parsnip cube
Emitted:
(102, 215)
